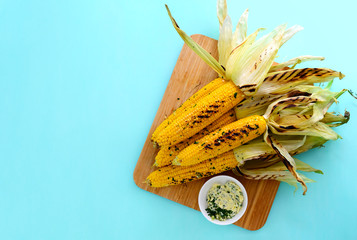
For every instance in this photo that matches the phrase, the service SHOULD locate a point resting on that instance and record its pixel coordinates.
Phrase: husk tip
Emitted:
(341, 75)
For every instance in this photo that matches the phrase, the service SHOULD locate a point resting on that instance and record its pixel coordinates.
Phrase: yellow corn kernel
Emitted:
(172, 175)
(201, 114)
(222, 140)
(213, 85)
(168, 153)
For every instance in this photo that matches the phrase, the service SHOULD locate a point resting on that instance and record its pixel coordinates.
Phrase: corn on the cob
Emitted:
(257, 154)
(172, 175)
(222, 140)
(213, 85)
(201, 114)
(167, 154)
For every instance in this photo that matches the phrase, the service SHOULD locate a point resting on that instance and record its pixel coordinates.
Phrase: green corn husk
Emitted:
(201, 52)
(259, 154)
(268, 165)
(277, 172)
(282, 83)
(300, 115)
(244, 60)
(250, 61)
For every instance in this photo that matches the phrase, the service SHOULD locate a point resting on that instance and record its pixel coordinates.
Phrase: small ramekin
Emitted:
(202, 199)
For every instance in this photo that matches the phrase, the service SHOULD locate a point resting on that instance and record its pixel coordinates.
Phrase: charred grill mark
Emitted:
(307, 72)
(320, 74)
(203, 116)
(232, 135)
(293, 99)
(251, 128)
(259, 103)
(298, 93)
(271, 78)
(281, 75)
(248, 86)
(316, 71)
(289, 106)
(214, 106)
(294, 75)
(300, 74)
(288, 76)
(268, 157)
(265, 102)
(208, 146)
(211, 111)
(240, 172)
(244, 131)
(273, 108)
(287, 127)
(176, 24)
(274, 147)
(302, 99)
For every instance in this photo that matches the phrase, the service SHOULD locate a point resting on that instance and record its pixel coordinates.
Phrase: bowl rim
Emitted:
(202, 203)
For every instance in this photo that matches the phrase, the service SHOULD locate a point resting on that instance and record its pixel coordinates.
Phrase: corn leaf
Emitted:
(255, 105)
(257, 149)
(286, 158)
(250, 61)
(225, 41)
(277, 84)
(200, 51)
(268, 174)
(283, 81)
(289, 33)
(333, 120)
(279, 166)
(300, 114)
(294, 62)
(221, 11)
(240, 34)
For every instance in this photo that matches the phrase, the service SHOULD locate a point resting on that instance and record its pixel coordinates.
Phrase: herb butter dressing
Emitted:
(224, 201)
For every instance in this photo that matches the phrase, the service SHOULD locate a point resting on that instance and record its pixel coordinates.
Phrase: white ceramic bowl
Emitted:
(202, 199)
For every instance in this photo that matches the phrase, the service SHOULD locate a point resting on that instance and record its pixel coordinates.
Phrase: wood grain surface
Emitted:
(191, 74)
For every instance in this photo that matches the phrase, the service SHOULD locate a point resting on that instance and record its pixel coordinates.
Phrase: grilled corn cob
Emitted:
(222, 140)
(201, 114)
(167, 154)
(172, 175)
(213, 85)
(255, 152)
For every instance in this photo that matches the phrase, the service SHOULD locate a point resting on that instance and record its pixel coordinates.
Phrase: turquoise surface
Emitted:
(80, 84)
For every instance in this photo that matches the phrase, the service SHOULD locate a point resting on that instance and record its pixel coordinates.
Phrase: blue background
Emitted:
(80, 84)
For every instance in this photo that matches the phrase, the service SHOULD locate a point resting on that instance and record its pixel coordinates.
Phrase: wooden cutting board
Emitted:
(191, 74)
